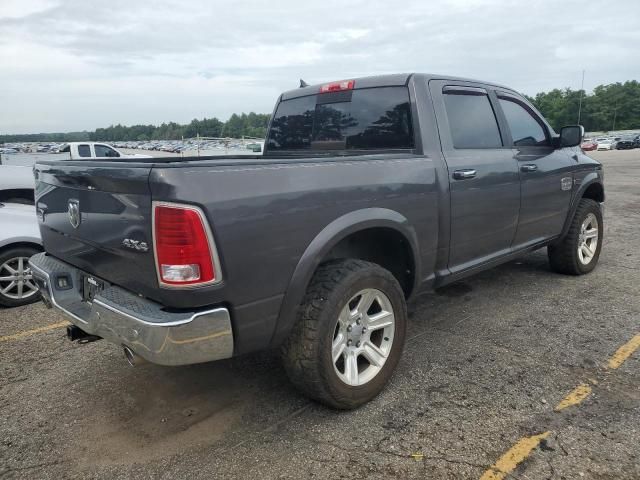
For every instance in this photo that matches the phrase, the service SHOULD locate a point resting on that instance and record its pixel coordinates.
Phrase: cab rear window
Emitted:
(364, 119)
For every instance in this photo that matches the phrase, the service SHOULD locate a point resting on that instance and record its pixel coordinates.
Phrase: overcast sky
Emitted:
(69, 65)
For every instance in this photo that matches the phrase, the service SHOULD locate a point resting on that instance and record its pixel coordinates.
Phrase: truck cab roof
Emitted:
(389, 80)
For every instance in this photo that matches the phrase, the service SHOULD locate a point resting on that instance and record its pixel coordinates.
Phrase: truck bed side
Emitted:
(263, 214)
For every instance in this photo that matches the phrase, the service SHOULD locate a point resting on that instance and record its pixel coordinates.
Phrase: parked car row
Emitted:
(617, 142)
(30, 147)
(628, 142)
(170, 146)
(193, 145)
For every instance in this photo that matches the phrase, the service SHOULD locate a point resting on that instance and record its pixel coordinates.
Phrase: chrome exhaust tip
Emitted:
(131, 357)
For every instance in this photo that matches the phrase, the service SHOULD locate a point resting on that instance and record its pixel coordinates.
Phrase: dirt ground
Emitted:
(487, 362)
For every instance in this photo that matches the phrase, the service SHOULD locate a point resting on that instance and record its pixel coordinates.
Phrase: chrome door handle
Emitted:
(464, 174)
(529, 167)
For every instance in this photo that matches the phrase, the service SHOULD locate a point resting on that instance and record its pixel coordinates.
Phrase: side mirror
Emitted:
(571, 136)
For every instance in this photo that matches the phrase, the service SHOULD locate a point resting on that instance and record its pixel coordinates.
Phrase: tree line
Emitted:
(243, 125)
(609, 107)
(237, 126)
(46, 137)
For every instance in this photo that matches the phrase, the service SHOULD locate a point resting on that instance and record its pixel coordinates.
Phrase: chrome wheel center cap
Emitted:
(356, 332)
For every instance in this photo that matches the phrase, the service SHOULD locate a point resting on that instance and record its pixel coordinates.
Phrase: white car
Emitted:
(84, 150)
(19, 240)
(604, 144)
(16, 184)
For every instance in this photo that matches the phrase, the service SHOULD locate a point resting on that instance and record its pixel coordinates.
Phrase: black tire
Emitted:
(307, 353)
(563, 256)
(6, 256)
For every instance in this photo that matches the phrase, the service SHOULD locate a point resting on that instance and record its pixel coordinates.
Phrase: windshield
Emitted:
(372, 118)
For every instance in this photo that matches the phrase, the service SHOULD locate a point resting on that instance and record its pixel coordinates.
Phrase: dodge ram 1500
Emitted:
(369, 191)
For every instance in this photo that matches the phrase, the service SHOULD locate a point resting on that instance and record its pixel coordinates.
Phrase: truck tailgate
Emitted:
(97, 217)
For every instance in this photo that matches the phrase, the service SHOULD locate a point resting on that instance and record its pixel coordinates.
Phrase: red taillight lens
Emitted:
(183, 249)
(338, 86)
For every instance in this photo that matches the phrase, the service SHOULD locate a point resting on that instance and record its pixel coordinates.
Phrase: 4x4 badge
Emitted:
(137, 245)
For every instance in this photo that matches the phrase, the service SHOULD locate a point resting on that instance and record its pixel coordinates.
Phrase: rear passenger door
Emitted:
(104, 151)
(483, 175)
(545, 172)
(84, 151)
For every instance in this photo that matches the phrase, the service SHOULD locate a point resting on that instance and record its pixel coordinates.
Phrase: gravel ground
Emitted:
(486, 362)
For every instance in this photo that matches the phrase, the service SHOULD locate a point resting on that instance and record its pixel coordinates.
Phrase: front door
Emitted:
(545, 173)
(483, 175)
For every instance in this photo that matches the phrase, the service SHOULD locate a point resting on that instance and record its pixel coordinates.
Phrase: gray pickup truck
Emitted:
(369, 191)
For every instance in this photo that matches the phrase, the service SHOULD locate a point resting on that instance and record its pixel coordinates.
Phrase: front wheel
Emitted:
(578, 252)
(349, 335)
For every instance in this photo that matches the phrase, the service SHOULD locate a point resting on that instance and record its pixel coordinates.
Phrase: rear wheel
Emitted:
(578, 252)
(349, 335)
(16, 280)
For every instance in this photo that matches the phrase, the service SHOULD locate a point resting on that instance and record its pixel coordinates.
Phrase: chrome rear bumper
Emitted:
(123, 318)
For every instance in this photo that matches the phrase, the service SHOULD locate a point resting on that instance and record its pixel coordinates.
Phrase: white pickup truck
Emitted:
(17, 184)
(80, 150)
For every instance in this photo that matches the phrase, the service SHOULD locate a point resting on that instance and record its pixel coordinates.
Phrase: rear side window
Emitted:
(365, 119)
(525, 128)
(104, 151)
(84, 151)
(471, 120)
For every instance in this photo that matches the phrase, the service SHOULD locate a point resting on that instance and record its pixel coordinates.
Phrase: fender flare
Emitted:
(23, 240)
(588, 180)
(328, 237)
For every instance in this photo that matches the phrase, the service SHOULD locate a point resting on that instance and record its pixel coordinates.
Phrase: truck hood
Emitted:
(16, 177)
(18, 223)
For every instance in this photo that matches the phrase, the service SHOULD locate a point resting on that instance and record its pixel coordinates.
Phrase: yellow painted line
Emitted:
(28, 333)
(574, 397)
(523, 448)
(624, 352)
(515, 455)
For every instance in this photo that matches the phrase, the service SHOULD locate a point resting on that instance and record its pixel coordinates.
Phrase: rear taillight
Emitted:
(184, 250)
(338, 86)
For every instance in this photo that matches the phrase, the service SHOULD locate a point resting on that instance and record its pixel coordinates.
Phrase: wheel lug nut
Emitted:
(349, 328)
(349, 342)
(364, 329)
(357, 344)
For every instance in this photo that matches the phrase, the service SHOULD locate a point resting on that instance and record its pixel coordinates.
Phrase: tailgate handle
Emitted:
(464, 174)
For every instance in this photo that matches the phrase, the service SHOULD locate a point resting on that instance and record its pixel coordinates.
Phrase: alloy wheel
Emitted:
(16, 279)
(588, 239)
(363, 337)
